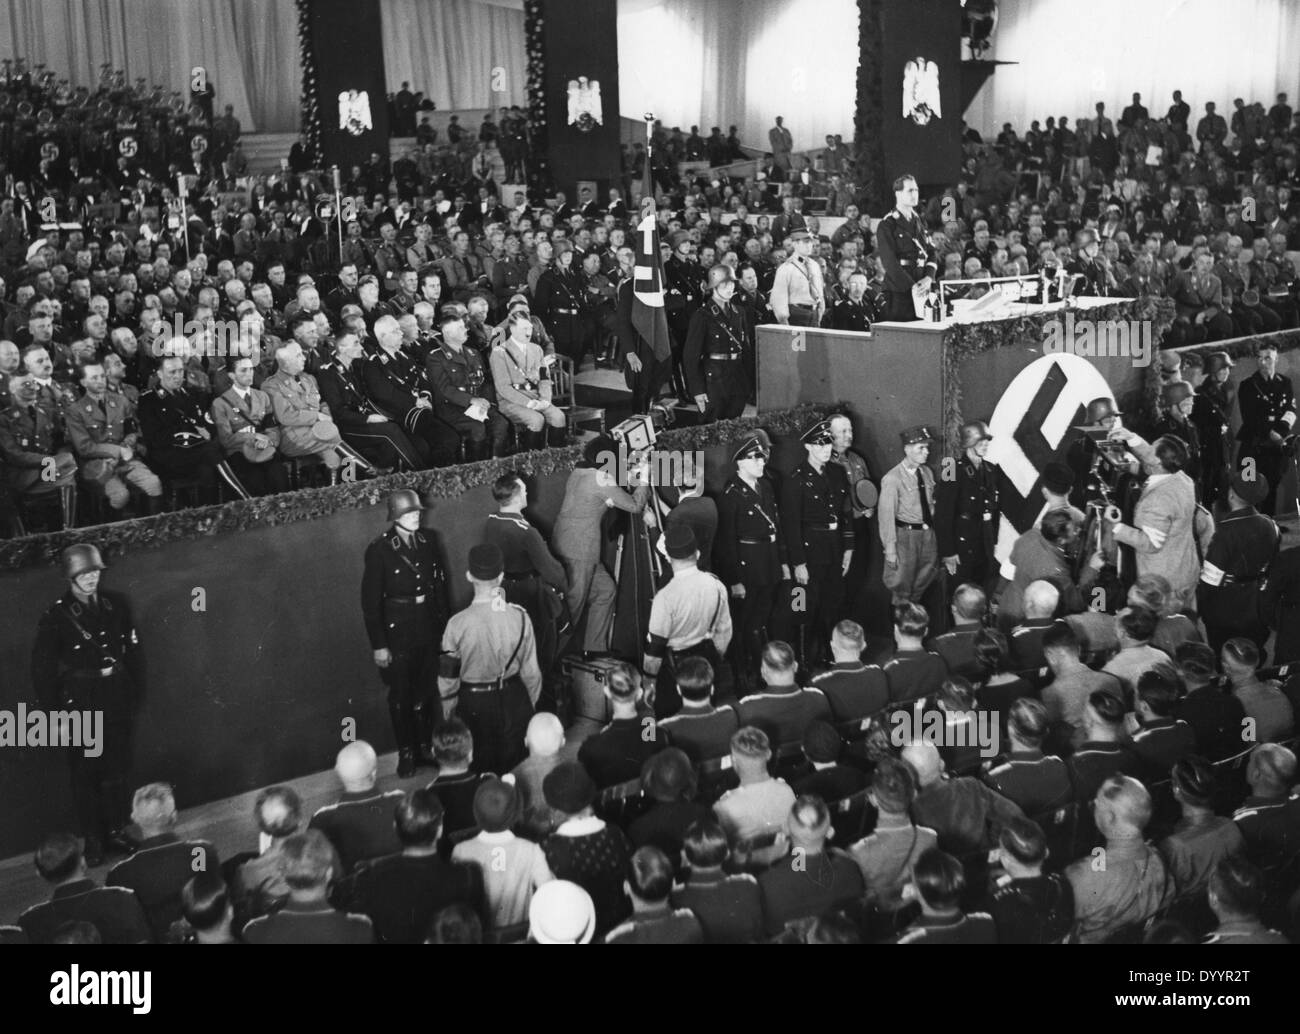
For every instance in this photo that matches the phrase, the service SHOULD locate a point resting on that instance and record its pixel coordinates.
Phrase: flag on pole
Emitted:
(648, 316)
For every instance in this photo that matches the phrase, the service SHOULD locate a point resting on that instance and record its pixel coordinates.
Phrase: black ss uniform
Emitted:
(906, 257)
(169, 424)
(714, 360)
(385, 445)
(846, 314)
(404, 603)
(1264, 407)
(1210, 417)
(394, 383)
(817, 518)
(1233, 574)
(682, 297)
(966, 522)
(457, 377)
(747, 551)
(87, 658)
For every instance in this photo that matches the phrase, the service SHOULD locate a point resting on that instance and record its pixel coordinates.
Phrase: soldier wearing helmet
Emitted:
(713, 357)
(966, 511)
(86, 658)
(404, 603)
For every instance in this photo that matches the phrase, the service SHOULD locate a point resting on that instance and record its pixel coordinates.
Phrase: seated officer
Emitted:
(1269, 819)
(1029, 906)
(1160, 740)
(782, 709)
(700, 729)
(616, 753)
(115, 911)
(1103, 752)
(1026, 638)
(1025, 776)
(522, 377)
(829, 780)
(853, 688)
(969, 608)
(815, 878)
(938, 884)
(761, 803)
(913, 671)
(1236, 895)
(360, 823)
(461, 392)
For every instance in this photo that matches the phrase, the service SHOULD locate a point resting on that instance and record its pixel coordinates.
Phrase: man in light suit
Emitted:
(246, 431)
(307, 429)
(1164, 529)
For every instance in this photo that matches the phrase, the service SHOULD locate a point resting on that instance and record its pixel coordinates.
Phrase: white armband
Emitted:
(1288, 418)
(1211, 575)
(1156, 536)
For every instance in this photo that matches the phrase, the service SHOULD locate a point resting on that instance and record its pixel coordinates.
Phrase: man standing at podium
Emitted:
(903, 248)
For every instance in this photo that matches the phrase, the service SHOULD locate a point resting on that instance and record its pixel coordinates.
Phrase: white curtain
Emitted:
(249, 47)
(460, 53)
(742, 62)
(1071, 56)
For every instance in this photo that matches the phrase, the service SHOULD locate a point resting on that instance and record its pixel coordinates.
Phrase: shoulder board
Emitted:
(911, 937)
(1000, 769)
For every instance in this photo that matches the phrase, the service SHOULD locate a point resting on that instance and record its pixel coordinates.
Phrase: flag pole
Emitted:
(647, 177)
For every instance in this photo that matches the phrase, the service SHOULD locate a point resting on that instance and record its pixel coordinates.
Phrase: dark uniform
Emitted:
(1210, 417)
(534, 580)
(86, 658)
(489, 669)
(404, 602)
(1035, 910)
(560, 302)
(1266, 406)
(170, 422)
(394, 383)
(817, 517)
(906, 257)
(856, 471)
(1233, 572)
(457, 375)
(846, 314)
(383, 444)
(1036, 782)
(114, 911)
(713, 359)
(966, 521)
(747, 552)
(854, 690)
(682, 297)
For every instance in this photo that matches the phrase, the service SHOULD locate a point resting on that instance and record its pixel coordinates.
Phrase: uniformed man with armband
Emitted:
(713, 357)
(1236, 563)
(966, 512)
(816, 513)
(747, 554)
(86, 658)
(903, 248)
(404, 602)
(907, 508)
(488, 675)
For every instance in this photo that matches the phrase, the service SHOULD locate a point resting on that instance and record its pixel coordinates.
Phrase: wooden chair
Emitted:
(564, 397)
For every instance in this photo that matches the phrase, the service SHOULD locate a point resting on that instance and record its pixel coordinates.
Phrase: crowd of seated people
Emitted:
(808, 811)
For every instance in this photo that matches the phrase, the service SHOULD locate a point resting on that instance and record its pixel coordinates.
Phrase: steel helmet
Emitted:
(79, 559)
(403, 501)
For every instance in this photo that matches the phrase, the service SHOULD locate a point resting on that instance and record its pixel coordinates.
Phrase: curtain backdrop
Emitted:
(1071, 56)
(460, 53)
(742, 62)
(247, 46)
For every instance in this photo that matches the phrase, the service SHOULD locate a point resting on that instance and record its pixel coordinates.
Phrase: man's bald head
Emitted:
(278, 811)
(545, 735)
(1271, 770)
(809, 823)
(1122, 807)
(924, 760)
(356, 765)
(1041, 599)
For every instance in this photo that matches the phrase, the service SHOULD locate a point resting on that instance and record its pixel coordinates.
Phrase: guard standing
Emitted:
(747, 554)
(682, 297)
(1268, 414)
(1210, 416)
(817, 517)
(1236, 566)
(404, 602)
(488, 674)
(966, 512)
(863, 496)
(87, 658)
(907, 520)
(903, 249)
(714, 355)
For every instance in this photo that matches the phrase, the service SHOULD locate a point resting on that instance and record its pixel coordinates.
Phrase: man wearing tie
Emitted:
(907, 532)
(246, 430)
(798, 291)
(904, 252)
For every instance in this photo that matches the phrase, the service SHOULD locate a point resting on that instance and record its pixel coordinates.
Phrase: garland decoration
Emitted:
(539, 171)
(310, 91)
(315, 503)
(868, 121)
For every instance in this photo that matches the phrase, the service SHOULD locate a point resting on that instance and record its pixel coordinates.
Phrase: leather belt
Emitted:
(757, 542)
(483, 687)
(723, 358)
(833, 526)
(913, 527)
(92, 673)
(567, 312)
(405, 599)
(1232, 579)
(802, 308)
